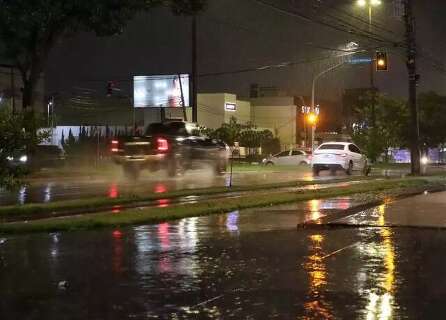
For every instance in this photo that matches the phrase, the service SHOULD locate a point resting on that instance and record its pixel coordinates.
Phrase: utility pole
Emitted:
(409, 22)
(372, 88)
(194, 70)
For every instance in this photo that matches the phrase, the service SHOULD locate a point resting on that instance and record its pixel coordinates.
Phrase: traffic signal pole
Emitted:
(409, 21)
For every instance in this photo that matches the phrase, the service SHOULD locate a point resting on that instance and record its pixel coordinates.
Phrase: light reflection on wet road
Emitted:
(43, 191)
(241, 265)
(57, 190)
(48, 191)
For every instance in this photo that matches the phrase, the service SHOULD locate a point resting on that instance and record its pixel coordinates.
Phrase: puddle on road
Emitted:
(252, 264)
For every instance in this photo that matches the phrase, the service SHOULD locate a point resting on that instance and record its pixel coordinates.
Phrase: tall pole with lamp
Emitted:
(351, 49)
(370, 4)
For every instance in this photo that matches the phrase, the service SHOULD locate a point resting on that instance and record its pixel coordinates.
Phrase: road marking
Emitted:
(345, 248)
(339, 250)
(207, 301)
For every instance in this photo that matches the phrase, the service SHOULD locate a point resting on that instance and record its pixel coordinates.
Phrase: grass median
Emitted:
(98, 203)
(155, 215)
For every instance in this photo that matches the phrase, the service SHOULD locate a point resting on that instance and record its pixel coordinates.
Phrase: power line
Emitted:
(272, 67)
(359, 19)
(295, 13)
(365, 32)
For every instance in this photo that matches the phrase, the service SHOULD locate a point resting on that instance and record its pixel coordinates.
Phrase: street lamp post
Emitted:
(370, 5)
(351, 49)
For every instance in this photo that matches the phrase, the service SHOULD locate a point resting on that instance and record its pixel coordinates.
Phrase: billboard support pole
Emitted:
(162, 114)
(182, 99)
(134, 121)
(194, 69)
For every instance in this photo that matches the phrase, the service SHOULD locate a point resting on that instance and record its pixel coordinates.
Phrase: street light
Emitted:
(351, 49)
(313, 99)
(312, 118)
(370, 4)
(375, 2)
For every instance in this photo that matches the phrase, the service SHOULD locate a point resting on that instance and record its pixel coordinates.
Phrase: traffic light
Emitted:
(382, 63)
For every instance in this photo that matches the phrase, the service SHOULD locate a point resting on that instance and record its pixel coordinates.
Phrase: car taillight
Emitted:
(162, 144)
(114, 146)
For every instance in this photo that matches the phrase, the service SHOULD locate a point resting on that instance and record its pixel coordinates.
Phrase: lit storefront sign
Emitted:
(230, 107)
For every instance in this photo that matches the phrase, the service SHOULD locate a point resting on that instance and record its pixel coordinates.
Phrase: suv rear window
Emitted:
(170, 128)
(332, 146)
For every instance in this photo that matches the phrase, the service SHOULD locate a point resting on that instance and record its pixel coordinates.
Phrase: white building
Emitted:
(277, 114)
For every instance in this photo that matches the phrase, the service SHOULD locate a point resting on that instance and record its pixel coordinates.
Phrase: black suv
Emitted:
(169, 146)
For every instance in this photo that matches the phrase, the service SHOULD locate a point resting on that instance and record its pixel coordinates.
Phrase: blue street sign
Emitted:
(360, 61)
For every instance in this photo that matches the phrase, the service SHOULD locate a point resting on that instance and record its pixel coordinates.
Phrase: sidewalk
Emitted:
(426, 210)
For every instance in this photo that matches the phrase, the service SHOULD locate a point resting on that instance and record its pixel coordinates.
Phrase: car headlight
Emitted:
(23, 158)
(9, 158)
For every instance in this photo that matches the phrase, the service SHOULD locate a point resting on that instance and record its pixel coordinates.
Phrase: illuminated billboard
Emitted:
(160, 91)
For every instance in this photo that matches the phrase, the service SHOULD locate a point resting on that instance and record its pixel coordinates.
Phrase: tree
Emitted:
(30, 29)
(432, 119)
(390, 127)
(17, 137)
(62, 139)
(268, 143)
(229, 132)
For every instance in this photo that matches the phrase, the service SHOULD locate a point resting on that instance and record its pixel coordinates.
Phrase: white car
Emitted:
(339, 155)
(289, 158)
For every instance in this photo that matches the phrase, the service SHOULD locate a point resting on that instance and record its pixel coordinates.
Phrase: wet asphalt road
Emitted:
(49, 190)
(242, 265)
(67, 189)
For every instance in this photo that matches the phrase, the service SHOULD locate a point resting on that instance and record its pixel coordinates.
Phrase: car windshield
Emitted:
(332, 146)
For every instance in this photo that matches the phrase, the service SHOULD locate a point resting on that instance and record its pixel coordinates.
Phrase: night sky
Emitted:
(241, 34)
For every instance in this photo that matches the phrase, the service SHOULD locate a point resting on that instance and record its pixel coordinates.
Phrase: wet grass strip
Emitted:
(98, 203)
(156, 215)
